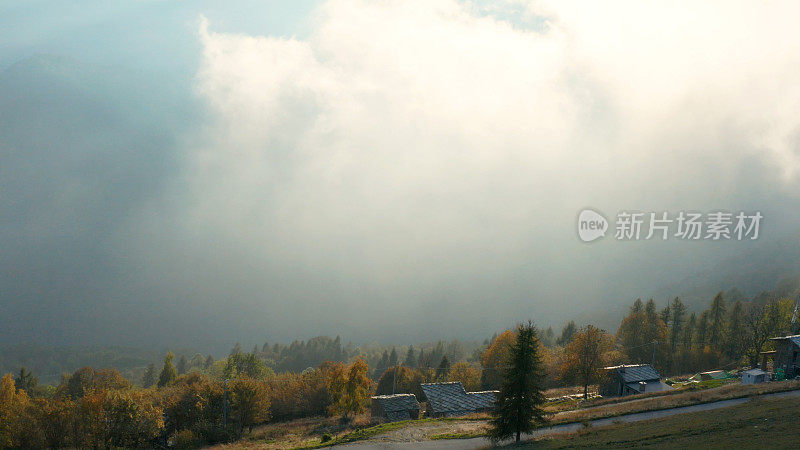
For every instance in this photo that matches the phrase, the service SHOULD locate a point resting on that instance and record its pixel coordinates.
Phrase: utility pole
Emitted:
(653, 360)
(225, 406)
(394, 377)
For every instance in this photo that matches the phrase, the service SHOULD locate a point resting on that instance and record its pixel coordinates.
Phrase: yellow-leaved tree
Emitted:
(467, 374)
(250, 401)
(494, 359)
(13, 405)
(349, 388)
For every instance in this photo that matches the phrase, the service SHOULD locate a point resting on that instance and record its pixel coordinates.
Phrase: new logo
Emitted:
(591, 225)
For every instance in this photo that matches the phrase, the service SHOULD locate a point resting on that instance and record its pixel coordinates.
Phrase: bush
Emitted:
(213, 433)
(87, 379)
(326, 437)
(195, 403)
(185, 439)
(294, 395)
(131, 420)
(249, 402)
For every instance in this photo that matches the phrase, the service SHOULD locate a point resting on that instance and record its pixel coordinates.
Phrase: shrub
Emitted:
(86, 379)
(249, 401)
(185, 439)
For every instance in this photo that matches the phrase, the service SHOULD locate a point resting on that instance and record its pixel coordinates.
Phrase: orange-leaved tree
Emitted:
(585, 356)
(494, 359)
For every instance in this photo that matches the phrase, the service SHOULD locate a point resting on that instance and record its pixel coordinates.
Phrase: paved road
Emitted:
(476, 443)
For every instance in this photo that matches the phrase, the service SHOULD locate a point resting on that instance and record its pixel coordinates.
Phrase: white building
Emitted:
(754, 376)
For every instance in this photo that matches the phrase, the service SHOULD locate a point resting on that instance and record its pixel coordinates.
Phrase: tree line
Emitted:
(101, 409)
(198, 400)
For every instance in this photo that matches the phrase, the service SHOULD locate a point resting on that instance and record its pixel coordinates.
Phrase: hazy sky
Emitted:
(192, 173)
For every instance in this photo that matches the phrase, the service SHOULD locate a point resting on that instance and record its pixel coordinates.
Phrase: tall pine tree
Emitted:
(718, 318)
(411, 358)
(736, 335)
(687, 337)
(443, 369)
(168, 372)
(519, 403)
(567, 333)
(26, 380)
(702, 329)
(678, 316)
(183, 365)
(149, 377)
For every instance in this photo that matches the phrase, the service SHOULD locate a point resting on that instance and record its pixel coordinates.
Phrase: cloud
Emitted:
(717, 62)
(421, 157)
(402, 171)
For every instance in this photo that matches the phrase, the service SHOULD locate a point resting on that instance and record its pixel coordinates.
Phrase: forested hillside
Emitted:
(322, 376)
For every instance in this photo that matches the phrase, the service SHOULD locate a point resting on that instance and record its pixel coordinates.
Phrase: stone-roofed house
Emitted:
(395, 407)
(787, 355)
(631, 379)
(451, 399)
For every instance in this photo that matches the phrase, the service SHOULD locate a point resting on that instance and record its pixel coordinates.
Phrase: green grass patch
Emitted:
(560, 405)
(442, 436)
(368, 432)
(364, 433)
(708, 384)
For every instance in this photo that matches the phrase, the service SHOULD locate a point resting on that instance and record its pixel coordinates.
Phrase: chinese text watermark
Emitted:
(684, 225)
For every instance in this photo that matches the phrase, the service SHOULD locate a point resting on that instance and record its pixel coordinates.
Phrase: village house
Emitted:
(631, 379)
(787, 349)
(451, 399)
(395, 407)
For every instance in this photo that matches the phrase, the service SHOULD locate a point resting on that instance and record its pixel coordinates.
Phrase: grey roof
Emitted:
(650, 386)
(451, 398)
(755, 372)
(635, 373)
(795, 339)
(446, 398)
(483, 399)
(397, 402)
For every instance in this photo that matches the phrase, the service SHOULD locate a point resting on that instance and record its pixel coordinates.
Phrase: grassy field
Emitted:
(756, 424)
(322, 432)
(673, 400)
(650, 403)
(562, 405)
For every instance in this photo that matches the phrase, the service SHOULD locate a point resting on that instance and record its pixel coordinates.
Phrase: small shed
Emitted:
(754, 376)
(395, 407)
(630, 379)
